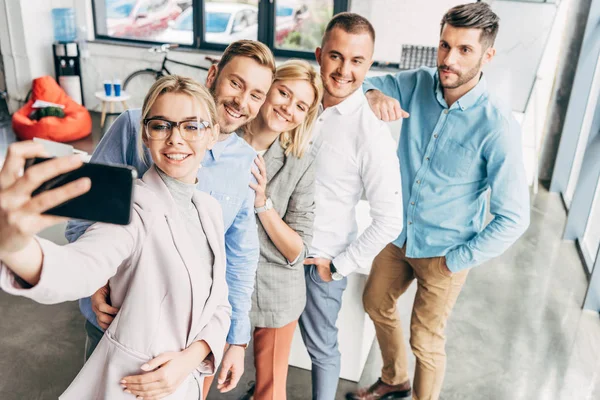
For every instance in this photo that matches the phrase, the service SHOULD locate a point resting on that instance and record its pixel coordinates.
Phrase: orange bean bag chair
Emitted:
(76, 124)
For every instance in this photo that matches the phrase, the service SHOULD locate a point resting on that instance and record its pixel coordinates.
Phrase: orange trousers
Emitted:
(271, 356)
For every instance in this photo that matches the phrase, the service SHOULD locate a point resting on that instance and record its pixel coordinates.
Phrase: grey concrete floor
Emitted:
(517, 331)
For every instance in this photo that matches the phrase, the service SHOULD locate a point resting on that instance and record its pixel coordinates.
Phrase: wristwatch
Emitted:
(268, 205)
(335, 275)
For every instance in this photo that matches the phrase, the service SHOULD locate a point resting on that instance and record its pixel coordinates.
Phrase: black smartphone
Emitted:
(110, 198)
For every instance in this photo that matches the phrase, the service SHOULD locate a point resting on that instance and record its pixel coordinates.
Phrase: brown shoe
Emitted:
(381, 391)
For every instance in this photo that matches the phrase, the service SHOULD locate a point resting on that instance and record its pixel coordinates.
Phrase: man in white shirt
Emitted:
(356, 155)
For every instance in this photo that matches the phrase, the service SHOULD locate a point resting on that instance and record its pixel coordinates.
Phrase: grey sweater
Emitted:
(182, 195)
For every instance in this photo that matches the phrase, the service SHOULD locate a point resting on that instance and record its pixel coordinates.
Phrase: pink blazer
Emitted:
(154, 269)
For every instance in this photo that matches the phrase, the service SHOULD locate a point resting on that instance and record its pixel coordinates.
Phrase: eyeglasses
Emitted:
(159, 128)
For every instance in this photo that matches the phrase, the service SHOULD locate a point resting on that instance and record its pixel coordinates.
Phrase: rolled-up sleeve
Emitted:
(300, 213)
(387, 84)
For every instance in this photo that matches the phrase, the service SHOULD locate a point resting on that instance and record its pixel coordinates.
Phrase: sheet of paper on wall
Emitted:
(44, 104)
(55, 149)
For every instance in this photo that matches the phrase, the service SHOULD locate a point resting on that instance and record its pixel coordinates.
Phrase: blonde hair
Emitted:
(175, 84)
(296, 140)
(257, 51)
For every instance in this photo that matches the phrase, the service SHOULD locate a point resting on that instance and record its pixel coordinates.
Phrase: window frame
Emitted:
(582, 204)
(265, 34)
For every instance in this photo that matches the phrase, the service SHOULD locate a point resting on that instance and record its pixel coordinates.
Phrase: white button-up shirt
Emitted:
(357, 156)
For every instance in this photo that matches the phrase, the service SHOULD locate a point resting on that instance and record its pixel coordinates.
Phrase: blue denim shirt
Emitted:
(449, 158)
(225, 175)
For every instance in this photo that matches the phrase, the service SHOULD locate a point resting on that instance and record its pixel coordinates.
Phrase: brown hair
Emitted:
(474, 15)
(349, 23)
(176, 84)
(296, 140)
(251, 49)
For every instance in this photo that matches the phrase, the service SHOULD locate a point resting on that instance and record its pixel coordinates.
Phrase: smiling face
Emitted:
(239, 90)
(287, 104)
(175, 156)
(345, 60)
(461, 55)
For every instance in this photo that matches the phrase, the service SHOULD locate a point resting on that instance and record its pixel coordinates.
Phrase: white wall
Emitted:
(108, 61)
(14, 52)
(26, 36)
(401, 22)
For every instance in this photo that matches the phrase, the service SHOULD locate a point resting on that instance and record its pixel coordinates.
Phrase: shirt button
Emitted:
(410, 222)
(435, 136)
(427, 158)
(412, 203)
(418, 181)
(445, 111)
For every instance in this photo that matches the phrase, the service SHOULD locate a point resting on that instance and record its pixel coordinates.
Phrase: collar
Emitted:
(468, 100)
(350, 103)
(219, 147)
(275, 150)
(274, 158)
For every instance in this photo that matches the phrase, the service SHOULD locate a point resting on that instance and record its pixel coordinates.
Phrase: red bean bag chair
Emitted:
(76, 124)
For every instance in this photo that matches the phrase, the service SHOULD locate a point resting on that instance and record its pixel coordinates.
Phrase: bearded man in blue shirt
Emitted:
(456, 144)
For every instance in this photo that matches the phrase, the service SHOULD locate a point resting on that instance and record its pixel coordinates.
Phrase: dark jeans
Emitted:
(93, 336)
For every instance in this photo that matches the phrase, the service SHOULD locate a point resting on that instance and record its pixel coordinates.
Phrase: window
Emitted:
(582, 142)
(143, 20)
(299, 25)
(288, 27)
(591, 237)
(226, 22)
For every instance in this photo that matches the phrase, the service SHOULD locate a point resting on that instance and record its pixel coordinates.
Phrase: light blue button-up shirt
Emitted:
(449, 158)
(225, 175)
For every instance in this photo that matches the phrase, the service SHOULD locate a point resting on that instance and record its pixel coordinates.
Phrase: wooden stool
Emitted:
(111, 100)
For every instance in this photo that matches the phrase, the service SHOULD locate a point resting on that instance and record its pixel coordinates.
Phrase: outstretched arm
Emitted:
(21, 214)
(384, 96)
(35, 267)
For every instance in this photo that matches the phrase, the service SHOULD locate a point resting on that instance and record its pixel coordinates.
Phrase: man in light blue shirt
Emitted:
(239, 84)
(456, 145)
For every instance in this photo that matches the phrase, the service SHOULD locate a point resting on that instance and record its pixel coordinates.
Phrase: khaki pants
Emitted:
(391, 275)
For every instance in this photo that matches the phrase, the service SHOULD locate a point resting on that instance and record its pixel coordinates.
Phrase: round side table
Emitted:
(111, 100)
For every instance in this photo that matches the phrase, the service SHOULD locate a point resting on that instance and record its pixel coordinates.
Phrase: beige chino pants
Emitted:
(437, 291)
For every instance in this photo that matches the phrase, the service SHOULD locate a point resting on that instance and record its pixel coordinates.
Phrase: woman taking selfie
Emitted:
(284, 207)
(166, 269)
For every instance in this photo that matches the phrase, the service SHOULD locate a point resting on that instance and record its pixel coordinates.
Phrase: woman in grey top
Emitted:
(284, 208)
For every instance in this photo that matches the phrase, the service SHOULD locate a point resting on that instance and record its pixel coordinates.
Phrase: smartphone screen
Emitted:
(110, 198)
